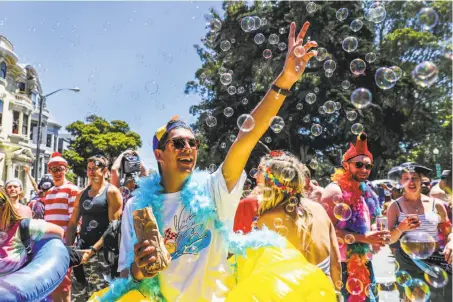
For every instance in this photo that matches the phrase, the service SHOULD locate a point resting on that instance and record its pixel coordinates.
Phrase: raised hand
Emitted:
(298, 54)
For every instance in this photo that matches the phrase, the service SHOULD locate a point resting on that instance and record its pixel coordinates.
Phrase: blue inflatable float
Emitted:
(40, 277)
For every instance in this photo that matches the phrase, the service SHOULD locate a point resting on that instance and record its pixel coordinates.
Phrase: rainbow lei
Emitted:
(269, 176)
(356, 198)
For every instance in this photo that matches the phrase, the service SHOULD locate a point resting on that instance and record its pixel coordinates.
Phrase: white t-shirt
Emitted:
(199, 266)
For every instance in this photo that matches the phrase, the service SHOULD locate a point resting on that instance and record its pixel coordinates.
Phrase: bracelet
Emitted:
(281, 91)
(399, 230)
(93, 249)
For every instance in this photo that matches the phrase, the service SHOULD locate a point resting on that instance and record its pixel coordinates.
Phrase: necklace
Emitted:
(417, 209)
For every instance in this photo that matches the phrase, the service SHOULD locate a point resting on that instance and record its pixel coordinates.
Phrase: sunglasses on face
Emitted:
(360, 165)
(426, 183)
(94, 169)
(57, 169)
(180, 143)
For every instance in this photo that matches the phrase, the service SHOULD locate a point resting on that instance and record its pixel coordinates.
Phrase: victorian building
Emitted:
(20, 91)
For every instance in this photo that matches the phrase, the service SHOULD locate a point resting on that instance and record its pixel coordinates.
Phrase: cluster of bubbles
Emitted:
(252, 23)
(92, 225)
(329, 67)
(386, 78)
(330, 107)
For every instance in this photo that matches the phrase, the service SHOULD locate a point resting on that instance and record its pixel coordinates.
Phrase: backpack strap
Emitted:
(25, 237)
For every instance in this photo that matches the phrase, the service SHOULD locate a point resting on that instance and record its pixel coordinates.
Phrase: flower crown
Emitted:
(269, 176)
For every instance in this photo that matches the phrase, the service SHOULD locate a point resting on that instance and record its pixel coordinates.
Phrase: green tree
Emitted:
(399, 119)
(98, 136)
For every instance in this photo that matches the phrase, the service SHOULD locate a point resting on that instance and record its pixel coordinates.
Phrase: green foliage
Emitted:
(98, 136)
(71, 177)
(403, 123)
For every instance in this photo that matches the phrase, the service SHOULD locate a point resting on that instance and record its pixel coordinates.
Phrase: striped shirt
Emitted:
(59, 204)
(428, 221)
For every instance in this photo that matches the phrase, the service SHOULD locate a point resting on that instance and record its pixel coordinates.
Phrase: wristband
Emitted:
(281, 91)
(399, 230)
(93, 249)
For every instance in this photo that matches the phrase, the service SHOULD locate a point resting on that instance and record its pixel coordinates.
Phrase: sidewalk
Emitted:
(384, 269)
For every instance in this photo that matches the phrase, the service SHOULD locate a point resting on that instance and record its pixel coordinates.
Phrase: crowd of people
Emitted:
(200, 216)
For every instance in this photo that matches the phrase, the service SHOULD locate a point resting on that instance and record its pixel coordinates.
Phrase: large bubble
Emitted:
(246, 122)
(418, 244)
(354, 286)
(427, 18)
(385, 78)
(438, 277)
(350, 44)
(248, 24)
(357, 128)
(376, 13)
(417, 291)
(425, 74)
(316, 129)
(329, 65)
(277, 124)
(357, 66)
(398, 71)
(310, 98)
(342, 212)
(299, 51)
(403, 278)
(356, 25)
(342, 14)
(361, 98)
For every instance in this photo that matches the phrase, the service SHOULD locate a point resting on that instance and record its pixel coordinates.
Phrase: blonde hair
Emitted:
(9, 214)
(280, 167)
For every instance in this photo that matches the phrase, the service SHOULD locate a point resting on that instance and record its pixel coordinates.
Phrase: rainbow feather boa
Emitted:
(356, 198)
(193, 196)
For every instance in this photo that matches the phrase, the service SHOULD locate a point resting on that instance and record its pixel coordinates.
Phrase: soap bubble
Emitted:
(226, 79)
(253, 172)
(439, 280)
(337, 199)
(267, 54)
(370, 57)
(425, 74)
(329, 65)
(417, 291)
(311, 7)
(246, 122)
(225, 45)
(385, 78)
(282, 30)
(87, 204)
(278, 222)
(398, 72)
(268, 140)
(283, 231)
(288, 174)
(259, 38)
(316, 89)
(322, 109)
(342, 14)
(310, 98)
(354, 286)
(299, 106)
(350, 44)
(337, 106)
(223, 145)
(361, 98)
(248, 24)
(212, 168)
(357, 128)
(356, 25)
(342, 212)
(349, 239)
(376, 13)
(403, 278)
(418, 244)
(93, 224)
(322, 54)
(345, 84)
(211, 121)
(93, 278)
(340, 240)
(282, 46)
(277, 124)
(241, 90)
(328, 73)
(152, 87)
(228, 111)
(330, 106)
(3, 237)
(427, 18)
(351, 115)
(306, 118)
(316, 129)
(232, 138)
(372, 291)
(273, 39)
(357, 66)
(263, 21)
(232, 90)
(299, 51)
(244, 101)
(313, 164)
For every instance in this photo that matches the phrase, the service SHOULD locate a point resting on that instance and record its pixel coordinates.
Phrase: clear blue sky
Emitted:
(69, 42)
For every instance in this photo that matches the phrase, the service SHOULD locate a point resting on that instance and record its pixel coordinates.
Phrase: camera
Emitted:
(131, 163)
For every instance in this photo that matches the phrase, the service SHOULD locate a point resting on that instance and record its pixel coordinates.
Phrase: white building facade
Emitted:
(20, 91)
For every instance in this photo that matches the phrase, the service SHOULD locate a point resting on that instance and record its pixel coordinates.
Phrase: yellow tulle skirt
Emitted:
(268, 274)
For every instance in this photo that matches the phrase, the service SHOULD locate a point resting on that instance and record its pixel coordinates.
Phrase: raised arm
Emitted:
(270, 105)
(115, 171)
(32, 180)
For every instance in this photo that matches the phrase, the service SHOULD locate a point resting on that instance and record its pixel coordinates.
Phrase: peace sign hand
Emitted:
(298, 54)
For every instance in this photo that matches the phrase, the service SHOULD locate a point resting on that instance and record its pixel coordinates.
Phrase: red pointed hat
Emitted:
(57, 160)
(360, 148)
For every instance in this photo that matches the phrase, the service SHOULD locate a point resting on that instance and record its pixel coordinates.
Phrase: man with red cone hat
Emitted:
(58, 207)
(353, 207)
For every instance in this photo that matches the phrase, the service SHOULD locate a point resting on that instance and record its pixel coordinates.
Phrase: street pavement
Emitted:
(384, 269)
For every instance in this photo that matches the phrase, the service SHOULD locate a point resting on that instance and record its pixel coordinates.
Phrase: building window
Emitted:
(33, 99)
(3, 70)
(55, 143)
(25, 125)
(21, 86)
(1, 112)
(33, 125)
(15, 122)
(49, 141)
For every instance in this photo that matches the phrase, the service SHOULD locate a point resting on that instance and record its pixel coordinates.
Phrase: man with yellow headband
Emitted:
(194, 210)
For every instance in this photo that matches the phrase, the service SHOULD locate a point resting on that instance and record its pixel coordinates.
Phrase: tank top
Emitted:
(428, 221)
(95, 217)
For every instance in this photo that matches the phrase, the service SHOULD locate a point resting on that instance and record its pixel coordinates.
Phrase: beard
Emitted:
(424, 191)
(357, 178)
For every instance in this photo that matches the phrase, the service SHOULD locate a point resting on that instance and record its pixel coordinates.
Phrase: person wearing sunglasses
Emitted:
(425, 185)
(58, 207)
(13, 255)
(14, 189)
(353, 206)
(191, 207)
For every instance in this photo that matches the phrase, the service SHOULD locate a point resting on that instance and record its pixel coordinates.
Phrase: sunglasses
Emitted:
(359, 165)
(426, 183)
(180, 143)
(57, 169)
